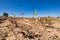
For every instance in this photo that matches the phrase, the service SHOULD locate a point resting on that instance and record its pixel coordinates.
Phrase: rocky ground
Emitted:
(29, 29)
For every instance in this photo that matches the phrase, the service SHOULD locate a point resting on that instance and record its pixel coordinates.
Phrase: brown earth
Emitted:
(30, 29)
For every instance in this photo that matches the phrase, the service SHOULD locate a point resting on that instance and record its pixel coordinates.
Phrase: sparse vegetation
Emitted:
(29, 28)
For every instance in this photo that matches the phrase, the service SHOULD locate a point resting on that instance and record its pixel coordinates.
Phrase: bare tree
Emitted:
(21, 14)
(13, 14)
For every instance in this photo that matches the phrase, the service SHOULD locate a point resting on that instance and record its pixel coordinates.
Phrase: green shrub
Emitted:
(5, 14)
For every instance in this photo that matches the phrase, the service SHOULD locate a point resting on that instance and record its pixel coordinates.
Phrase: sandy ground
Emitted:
(29, 29)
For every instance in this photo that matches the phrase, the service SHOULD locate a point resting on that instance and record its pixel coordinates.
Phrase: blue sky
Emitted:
(44, 7)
